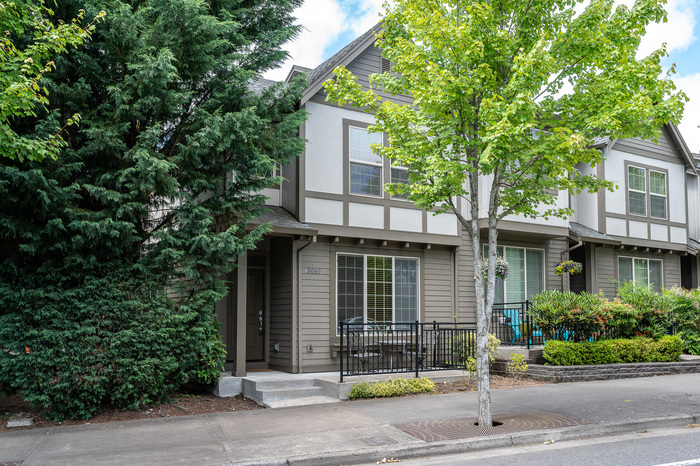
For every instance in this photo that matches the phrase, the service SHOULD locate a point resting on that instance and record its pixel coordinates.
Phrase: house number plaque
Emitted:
(312, 270)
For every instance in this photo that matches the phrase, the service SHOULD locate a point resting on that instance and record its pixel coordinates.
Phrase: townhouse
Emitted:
(343, 249)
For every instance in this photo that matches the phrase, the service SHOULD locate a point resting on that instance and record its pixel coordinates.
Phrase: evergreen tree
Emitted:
(112, 254)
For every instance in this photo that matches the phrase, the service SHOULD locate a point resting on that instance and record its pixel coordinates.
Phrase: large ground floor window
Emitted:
(377, 288)
(525, 274)
(641, 272)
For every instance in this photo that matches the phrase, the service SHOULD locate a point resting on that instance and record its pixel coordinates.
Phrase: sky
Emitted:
(329, 25)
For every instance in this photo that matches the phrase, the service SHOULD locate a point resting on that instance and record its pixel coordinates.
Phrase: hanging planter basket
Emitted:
(570, 267)
(502, 266)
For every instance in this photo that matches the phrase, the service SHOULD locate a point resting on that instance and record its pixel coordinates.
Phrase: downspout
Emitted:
(566, 251)
(299, 301)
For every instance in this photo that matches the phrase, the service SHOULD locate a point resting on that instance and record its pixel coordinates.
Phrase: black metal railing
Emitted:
(513, 325)
(404, 347)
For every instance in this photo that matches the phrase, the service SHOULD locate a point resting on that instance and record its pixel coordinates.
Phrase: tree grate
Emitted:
(451, 429)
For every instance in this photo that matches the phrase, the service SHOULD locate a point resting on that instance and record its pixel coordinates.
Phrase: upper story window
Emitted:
(641, 272)
(365, 164)
(645, 183)
(657, 194)
(399, 174)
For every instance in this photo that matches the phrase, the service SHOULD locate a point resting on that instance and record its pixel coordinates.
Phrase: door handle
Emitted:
(260, 321)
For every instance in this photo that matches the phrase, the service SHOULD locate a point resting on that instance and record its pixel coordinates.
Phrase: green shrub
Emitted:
(684, 307)
(664, 349)
(582, 314)
(113, 340)
(464, 348)
(517, 364)
(391, 387)
(653, 319)
(622, 321)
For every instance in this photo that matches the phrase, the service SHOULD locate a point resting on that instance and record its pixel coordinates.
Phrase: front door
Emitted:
(255, 318)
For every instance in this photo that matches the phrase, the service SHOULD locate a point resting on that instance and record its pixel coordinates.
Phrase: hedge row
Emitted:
(562, 353)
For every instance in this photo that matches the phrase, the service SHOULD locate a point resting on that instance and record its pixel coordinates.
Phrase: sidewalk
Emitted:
(366, 431)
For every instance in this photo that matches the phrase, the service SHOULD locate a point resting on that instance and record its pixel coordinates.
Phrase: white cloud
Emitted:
(677, 32)
(691, 117)
(323, 21)
(369, 11)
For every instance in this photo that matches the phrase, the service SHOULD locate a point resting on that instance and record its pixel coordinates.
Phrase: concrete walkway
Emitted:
(362, 431)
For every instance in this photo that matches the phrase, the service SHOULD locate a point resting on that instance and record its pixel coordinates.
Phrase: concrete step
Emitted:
(287, 393)
(307, 401)
(282, 392)
(264, 384)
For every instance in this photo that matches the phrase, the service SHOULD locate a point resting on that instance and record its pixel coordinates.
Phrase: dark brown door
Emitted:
(255, 318)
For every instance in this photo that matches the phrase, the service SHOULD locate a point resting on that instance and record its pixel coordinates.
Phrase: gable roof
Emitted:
(682, 147)
(675, 139)
(259, 85)
(322, 72)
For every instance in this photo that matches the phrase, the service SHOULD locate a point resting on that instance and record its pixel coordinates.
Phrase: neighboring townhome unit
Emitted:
(641, 232)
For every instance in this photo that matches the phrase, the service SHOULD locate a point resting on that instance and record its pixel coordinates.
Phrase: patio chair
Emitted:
(425, 351)
(519, 328)
(359, 352)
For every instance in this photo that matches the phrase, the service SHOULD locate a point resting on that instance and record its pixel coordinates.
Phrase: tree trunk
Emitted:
(482, 314)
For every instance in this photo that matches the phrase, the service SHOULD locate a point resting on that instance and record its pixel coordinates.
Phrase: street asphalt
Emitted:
(363, 431)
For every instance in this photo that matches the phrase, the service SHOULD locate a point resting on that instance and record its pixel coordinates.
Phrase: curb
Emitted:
(448, 447)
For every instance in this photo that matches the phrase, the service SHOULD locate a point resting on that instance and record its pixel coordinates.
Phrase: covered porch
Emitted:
(259, 318)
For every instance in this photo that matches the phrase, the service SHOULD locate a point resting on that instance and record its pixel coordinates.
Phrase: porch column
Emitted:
(241, 303)
(221, 308)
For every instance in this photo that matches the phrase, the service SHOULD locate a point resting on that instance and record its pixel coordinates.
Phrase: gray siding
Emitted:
(605, 272)
(438, 285)
(281, 304)
(289, 187)
(316, 292)
(606, 268)
(645, 147)
(672, 270)
(318, 296)
(553, 249)
(466, 293)
(368, 62)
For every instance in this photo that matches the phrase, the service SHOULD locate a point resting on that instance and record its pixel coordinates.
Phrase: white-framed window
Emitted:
(642, 182)
(525, 274)
(399, 174)
(637, 190)
(365, 164)
(657, 194)
(377, 288)
(641, 272)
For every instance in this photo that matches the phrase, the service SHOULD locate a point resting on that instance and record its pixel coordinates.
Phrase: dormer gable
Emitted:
(671, 147)
(345, 56)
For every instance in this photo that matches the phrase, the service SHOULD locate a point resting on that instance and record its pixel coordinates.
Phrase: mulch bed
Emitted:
(496, 382)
